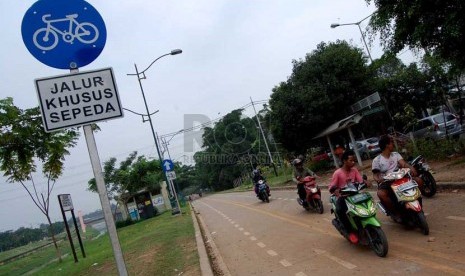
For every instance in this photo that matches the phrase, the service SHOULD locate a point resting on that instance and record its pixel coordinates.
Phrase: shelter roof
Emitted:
(341, 125)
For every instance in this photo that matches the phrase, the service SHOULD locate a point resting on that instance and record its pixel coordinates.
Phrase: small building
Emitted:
(145, 203)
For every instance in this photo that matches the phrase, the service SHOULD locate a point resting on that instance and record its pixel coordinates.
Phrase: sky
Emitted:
(232, 51)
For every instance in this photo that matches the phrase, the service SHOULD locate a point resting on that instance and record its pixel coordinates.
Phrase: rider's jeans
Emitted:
(341, 210)
(301, 191)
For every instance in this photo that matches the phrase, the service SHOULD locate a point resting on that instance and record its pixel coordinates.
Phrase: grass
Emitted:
(283, 178)
(163, 245)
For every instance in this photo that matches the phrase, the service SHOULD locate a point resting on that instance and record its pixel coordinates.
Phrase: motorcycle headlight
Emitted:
(362, 211)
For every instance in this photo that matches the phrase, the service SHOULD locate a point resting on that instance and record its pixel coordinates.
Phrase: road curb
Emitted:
(205, 266)
(205, 242)
(450, 185)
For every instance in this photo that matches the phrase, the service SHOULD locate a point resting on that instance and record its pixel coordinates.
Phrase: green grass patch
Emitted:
(163, 245)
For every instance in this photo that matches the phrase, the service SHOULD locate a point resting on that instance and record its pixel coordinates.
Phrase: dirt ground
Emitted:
(446, 171)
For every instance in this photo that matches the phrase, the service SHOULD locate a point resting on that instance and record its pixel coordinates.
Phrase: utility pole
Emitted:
(264, 138)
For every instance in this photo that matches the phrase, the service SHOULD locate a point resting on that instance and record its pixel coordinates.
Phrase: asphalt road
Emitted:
(281, 238)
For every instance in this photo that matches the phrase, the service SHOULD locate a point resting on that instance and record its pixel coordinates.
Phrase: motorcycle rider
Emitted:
(346, 174)
(257, 176)
(386, 162)
(299, 173)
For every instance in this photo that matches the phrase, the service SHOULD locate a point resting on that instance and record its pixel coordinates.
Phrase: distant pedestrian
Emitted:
(338, 152)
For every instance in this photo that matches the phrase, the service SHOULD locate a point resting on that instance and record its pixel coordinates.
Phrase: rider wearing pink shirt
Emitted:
(347, 174)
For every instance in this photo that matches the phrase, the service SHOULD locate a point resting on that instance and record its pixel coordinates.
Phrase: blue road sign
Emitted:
(64, 34)
(168, 165)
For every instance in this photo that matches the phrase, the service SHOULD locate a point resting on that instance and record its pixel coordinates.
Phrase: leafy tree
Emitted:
(437, 27)
(232, 138)
(187, 178)
(400, 85)
(133, 174)
(23, 143)
(318, 92)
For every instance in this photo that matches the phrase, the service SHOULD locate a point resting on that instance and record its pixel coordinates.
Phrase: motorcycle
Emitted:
(313, 197)
(263, 191)
(365, 227)
(429, 183)
(407, 199)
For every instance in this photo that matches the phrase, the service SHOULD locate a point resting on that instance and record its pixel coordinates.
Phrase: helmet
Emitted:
(297, 161)
(260, 181)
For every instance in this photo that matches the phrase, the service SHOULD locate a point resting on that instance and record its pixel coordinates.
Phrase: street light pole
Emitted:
(264, 138)
(166, 143)
(335, 25)
(149, 118)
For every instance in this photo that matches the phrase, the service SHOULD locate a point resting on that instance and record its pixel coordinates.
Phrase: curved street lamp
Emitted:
(141, 76)
(335, 25)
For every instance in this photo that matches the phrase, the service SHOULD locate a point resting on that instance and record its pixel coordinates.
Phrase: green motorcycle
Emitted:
(365, 227)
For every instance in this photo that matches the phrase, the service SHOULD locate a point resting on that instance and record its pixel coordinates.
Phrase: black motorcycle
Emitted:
(429, 183)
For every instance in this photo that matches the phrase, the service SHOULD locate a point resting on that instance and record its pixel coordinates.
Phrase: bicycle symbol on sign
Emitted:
(47, 38)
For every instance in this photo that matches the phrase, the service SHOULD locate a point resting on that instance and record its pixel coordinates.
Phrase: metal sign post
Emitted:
(168, 169)
(102, 192)
(74, 99)
(66, 205)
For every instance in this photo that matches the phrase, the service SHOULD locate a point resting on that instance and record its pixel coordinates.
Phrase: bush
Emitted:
(436, 149)
(124, 223)
(318, 166)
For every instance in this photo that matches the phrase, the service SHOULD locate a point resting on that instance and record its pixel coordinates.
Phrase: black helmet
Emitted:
(297, 161)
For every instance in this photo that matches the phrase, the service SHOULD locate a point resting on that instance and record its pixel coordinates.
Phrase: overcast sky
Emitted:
(232, 50)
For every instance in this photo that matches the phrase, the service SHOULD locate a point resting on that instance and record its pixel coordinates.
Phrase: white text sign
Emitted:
(78, 99)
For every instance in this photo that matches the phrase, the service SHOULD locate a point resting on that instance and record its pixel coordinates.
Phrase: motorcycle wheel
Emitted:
(378, 240)
(422, 223)
(319, 206)
(429, 185)
(266, 198)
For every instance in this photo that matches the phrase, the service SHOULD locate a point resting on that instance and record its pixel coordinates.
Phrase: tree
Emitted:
(318, 93)
(437, 27)
(224, 145)
(133, 174)
(401, 86)
(23, 143)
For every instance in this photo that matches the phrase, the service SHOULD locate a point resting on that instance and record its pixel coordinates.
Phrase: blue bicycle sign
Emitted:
(47, 38)
(63, 34)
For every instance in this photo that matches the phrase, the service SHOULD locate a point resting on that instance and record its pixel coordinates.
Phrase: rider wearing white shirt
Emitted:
(388, 161)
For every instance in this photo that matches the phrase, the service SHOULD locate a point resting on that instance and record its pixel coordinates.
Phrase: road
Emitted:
(281, 238)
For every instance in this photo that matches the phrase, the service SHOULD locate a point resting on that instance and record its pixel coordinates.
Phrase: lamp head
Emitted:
(334, 25)
(176, 51)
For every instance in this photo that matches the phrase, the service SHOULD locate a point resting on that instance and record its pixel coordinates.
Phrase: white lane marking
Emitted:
(260, 244)
(286, 199)
(253, 238)
(336, 259)
(300, 274)
(455, 218)
(327, 219)
(237, 225)
(341, 262)
(272, 253)
(285, 263)
(246, 233)
(241, 229)
(280, 198)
